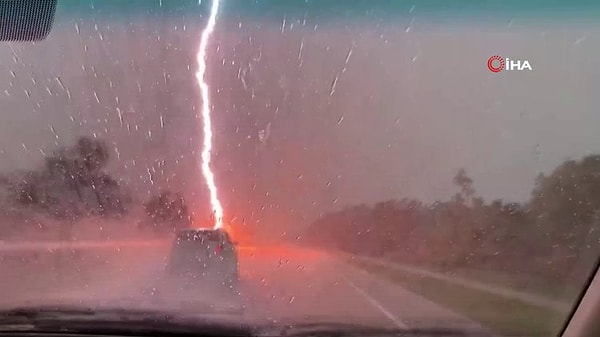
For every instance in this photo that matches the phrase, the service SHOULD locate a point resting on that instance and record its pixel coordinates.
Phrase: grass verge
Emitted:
(523, 283)
(505, 316)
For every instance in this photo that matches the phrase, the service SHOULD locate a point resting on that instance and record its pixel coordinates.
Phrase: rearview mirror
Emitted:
(26, 20)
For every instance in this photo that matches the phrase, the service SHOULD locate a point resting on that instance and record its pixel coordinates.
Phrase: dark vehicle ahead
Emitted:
(204, 255)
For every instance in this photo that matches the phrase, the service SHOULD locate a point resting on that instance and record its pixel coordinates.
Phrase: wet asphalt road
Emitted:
(281, 284)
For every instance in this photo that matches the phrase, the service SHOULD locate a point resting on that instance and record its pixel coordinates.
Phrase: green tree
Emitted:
(462, 180)
(72, 184)
(167, 212)
(566, 204)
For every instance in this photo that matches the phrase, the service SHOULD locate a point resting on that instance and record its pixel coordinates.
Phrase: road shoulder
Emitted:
(413, 310)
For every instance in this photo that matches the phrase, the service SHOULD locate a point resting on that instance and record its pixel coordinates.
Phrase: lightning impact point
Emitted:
(206, 121)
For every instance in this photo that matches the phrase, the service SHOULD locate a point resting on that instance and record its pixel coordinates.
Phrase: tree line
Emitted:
(556, 233)
(72, 185)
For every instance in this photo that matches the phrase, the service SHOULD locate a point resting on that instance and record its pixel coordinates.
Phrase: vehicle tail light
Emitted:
(218, 249)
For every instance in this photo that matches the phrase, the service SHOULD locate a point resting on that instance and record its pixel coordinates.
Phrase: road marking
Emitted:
(376, 304)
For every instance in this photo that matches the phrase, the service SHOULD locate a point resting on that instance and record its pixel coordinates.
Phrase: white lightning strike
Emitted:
(207, 127)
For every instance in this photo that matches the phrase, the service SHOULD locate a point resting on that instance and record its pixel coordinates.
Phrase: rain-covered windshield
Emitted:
(399, 164)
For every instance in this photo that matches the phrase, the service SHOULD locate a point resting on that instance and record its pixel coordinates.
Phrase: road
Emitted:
(540, 301)
(277, 284)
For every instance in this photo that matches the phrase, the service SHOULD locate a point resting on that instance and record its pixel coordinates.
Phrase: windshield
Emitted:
(399, 164)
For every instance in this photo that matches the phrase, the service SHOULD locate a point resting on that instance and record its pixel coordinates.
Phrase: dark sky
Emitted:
(353, 110)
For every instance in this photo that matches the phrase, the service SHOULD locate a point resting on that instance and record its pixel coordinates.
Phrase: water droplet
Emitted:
(60, 83)
(333, 85)
(580, 40)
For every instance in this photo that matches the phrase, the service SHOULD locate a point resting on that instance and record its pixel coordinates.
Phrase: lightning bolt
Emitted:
(206, 122)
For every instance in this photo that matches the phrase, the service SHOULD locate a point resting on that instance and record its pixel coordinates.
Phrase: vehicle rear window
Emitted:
(201, 235)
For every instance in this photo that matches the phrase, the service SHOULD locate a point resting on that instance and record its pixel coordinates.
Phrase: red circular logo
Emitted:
(500, 64)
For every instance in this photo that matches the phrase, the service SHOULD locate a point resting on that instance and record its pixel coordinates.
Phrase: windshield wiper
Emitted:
(41, 313)
(125, 322)
(347, 330)
(122, 322)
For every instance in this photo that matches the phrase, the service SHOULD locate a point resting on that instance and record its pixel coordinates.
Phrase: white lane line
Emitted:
(376, 304)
